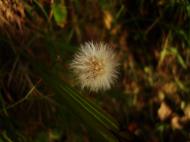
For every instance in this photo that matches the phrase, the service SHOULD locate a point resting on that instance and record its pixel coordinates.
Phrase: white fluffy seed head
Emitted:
(95, 66)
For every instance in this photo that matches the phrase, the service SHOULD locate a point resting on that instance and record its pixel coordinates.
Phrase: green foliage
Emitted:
(60, 13)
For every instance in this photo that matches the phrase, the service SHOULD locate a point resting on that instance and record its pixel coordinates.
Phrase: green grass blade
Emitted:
(86, 110)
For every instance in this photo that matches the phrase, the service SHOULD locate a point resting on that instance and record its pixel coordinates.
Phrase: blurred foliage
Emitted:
(39, 100)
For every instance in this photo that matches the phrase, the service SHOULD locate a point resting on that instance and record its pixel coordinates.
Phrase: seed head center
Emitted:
(96, 66)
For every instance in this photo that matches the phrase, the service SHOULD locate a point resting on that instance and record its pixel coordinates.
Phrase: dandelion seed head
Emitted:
(95, 66)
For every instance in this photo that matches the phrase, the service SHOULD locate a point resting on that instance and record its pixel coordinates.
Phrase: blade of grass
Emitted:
(42, 9)
(87, 111)
(93, 109)
(64, 97)
(89, 106)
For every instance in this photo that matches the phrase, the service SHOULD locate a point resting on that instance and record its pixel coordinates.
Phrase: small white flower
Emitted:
(95, 66)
